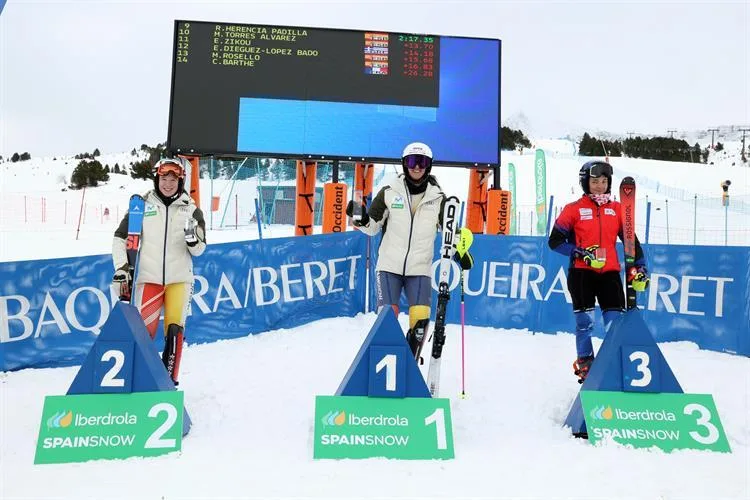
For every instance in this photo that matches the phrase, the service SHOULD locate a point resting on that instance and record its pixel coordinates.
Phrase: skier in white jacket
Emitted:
(409, 212)
(173, 233)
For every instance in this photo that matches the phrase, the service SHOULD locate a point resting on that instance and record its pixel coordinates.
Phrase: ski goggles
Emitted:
(417, 161)
(600, 169)
(164, 167)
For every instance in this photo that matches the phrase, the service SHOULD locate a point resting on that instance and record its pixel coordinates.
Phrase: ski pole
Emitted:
(463, 339)
(463, 336)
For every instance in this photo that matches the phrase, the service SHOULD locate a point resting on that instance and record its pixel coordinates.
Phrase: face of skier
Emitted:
(416, 173)
(598, 185)
(168, 184)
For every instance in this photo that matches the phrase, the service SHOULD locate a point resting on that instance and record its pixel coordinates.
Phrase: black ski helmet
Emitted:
(417, 153)
(595, 168)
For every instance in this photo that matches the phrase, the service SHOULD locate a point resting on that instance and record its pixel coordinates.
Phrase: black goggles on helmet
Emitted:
(417, 161)
(600, 169)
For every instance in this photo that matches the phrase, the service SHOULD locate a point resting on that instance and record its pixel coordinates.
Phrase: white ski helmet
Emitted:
(417, 148)
(417, 155)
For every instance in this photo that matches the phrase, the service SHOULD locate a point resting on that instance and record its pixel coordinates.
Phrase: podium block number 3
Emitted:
(114, 368)
(387, 372)
(642, 359)
(703, 420)
(640, 369)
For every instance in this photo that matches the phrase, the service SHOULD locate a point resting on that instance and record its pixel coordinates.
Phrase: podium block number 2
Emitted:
(156, 439)
(114, 367)
(387, 371)
(640, 369)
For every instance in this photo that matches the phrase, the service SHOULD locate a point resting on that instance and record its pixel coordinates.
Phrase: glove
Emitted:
(121, 282)
(364, 220)
(191, 232)
(638, 277)
(462, 255)
(588, 255)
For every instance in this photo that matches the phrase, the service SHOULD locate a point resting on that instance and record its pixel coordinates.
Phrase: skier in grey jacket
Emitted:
(409, 212)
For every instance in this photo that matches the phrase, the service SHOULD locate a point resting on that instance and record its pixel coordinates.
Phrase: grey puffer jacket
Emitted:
(408, 245)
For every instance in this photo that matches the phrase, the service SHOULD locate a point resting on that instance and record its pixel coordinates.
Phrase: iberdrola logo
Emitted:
(602, 413)
(60, 419)
(334, 417)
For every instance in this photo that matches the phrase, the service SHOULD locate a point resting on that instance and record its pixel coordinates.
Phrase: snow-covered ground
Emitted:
(252, 405)
(252, 399)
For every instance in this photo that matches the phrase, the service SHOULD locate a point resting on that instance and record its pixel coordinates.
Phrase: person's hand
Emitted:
(191, 236)
(363, 220)
(588, 255)
(639, 279)
(121, 282)
(462, 255)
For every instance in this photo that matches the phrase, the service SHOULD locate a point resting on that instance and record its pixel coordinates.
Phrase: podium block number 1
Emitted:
(640, 369)
(438, 418)
(114, 368)
(387, 371)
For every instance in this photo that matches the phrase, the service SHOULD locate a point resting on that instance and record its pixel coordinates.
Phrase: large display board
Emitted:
(324, 93)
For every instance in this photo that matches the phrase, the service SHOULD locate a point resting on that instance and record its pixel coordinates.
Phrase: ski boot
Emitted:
(581, 367)
(416, 338)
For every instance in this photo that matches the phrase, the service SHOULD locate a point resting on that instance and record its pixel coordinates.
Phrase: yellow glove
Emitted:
(639, 279)
(588, 255)
(462, 255)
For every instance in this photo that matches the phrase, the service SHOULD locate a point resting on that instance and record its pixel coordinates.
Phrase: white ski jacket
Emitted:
(164, 256)
(408, 245)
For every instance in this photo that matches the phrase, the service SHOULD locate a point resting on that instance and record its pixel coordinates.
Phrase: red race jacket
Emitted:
(584, 223)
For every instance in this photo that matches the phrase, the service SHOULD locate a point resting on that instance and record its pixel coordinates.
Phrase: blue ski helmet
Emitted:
(595, 169)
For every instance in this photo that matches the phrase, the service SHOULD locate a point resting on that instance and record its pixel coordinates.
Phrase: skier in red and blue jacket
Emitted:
(587, 231)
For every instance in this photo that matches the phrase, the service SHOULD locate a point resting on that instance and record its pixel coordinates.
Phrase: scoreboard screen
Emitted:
(333, 94)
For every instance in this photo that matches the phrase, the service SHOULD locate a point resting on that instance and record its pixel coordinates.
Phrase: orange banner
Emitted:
(334, 209)
(498, 212)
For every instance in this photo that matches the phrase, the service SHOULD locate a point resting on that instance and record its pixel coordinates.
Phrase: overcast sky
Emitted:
(77, 75)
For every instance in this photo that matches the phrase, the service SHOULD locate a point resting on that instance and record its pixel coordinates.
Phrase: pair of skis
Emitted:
(447, 250)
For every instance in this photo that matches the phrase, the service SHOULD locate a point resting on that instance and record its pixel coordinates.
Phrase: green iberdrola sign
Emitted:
(668, 421)
(106, 426)
(364, 427)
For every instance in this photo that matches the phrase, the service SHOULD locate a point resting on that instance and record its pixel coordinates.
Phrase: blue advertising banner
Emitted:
(698, 293)
(51, 310)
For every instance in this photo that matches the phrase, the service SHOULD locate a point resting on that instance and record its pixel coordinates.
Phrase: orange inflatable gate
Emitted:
(364, 174)
(476, 205)
(195, 175)
(305, 205)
